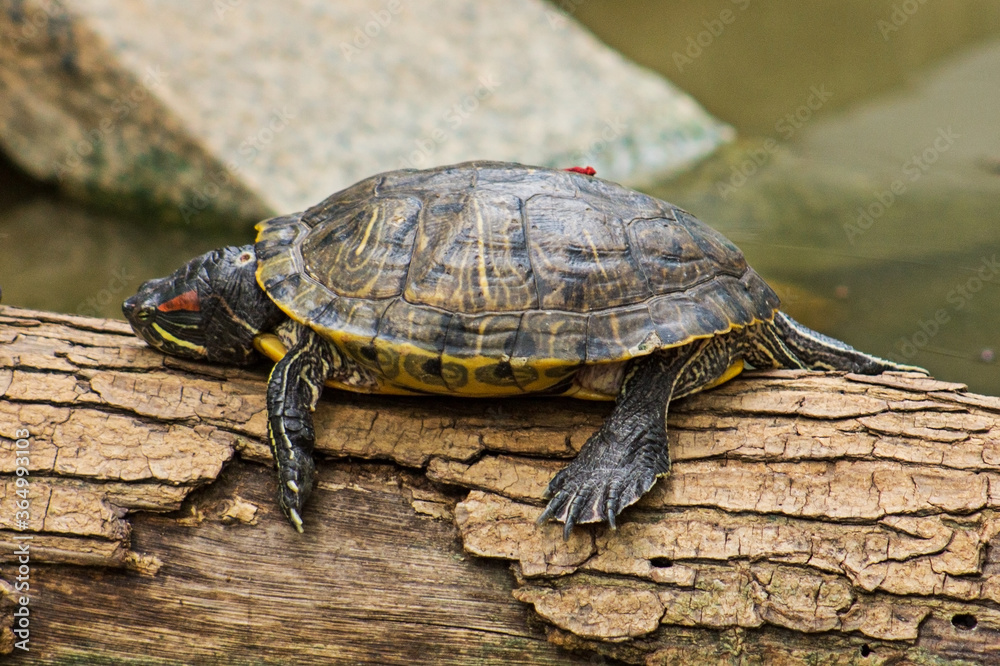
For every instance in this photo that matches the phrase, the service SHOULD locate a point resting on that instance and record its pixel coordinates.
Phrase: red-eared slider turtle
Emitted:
(488, 279)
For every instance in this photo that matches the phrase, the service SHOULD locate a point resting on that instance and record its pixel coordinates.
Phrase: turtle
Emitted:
(488, 279)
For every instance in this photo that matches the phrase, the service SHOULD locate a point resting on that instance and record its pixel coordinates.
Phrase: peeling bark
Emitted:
(807, 518)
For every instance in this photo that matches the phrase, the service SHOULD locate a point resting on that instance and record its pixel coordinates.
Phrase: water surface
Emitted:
(864, 186)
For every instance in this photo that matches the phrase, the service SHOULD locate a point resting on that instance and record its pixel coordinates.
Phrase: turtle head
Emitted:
(209, 309)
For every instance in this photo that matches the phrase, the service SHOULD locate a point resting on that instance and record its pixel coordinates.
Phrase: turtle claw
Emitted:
(297, 475)
(621, 461)
(565, 509)
(296, 520)
(603, 480)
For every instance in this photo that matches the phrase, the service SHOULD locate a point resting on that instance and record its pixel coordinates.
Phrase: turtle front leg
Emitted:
(622, 460)
(293, 390)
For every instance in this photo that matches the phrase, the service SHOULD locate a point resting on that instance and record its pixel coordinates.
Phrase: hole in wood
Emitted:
(661, 562)
(865, 650)
(964, 621)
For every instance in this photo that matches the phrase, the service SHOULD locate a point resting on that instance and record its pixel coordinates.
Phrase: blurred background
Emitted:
(863, 182)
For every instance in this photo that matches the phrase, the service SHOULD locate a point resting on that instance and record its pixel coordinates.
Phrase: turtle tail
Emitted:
(789, 344)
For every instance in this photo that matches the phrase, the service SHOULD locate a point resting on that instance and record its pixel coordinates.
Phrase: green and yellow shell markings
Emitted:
(560, 371)
(484, 278)
(430, 372)
(506, 374)
(368, 232)
(408, 368)
(491, 279)
(271, 346)
(382, 360)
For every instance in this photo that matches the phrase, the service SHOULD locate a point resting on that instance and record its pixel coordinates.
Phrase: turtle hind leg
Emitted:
(788, 344)
(622, 460)
(293, 390)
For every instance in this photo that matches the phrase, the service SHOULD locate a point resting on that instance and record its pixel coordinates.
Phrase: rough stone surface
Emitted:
(239, 110)
(808, 518)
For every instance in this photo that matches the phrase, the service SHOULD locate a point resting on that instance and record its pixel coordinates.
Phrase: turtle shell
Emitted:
(489, 278)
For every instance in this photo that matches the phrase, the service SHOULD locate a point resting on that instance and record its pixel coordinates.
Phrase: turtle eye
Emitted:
(145, 314)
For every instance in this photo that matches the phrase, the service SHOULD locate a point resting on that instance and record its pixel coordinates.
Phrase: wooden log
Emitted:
(807, 518)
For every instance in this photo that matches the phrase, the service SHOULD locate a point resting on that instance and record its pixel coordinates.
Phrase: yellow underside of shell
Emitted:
(398, 373)
(533, 377)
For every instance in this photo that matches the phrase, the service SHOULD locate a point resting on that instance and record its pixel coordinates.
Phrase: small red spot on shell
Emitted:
(586, 171)
(186, 301)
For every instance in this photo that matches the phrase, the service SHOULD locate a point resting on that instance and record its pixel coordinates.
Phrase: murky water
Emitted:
(867, 180)
(865, 184)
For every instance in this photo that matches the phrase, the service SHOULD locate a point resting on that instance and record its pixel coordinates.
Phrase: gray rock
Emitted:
(234, 110)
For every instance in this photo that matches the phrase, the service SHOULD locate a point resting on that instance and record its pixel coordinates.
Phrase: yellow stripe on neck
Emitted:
(177, 341)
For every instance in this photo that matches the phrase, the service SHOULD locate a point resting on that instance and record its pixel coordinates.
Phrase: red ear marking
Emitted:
(586, 171)
(186, 301)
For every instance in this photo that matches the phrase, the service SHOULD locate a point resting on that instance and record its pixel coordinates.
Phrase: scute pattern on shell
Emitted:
(489, 260)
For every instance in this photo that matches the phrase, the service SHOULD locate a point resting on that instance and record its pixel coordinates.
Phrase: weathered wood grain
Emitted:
(807, 518)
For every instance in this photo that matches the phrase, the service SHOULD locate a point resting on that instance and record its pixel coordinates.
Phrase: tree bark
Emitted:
(808, 517)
